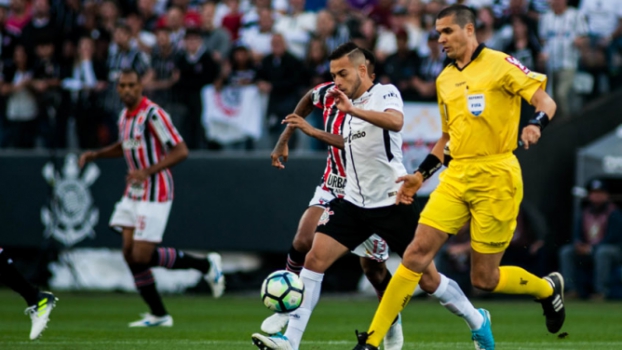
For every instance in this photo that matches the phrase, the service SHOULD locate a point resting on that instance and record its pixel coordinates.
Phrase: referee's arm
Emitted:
(545, 110)
(543, 102)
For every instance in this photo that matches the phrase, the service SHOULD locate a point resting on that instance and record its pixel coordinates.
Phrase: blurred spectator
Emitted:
(604, 20)
(525, 45)
(20, 129)
(280, 76)
(562, 32)
(242, 67)
(380, 41)
(40, 27)
(216, 40)
(296, 27)
(67, 17)
(84, 84)
(250, 19)
(413, 23)
(99, 34)
(331, 33)
(400, 68)
(147, 12)
(597, 240)
(318, 67)
(163, 75)
(233, 20)
(343, 14)
(46, 85)
(141, 39)
(486, 33)
(381, 13)
(108, 16)
(121, 56)
(189, 18)
(197, 68)
(430, 67)
(9, 37)
(175, 22)
(258, 38)
(19, 15)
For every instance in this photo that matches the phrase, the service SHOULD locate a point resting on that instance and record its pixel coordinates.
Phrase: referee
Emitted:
(479, 96)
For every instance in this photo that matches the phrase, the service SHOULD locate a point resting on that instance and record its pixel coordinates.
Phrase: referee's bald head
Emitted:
(463, 15)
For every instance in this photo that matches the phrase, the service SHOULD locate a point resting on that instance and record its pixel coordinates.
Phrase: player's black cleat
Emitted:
(362, 342)
(553, 306)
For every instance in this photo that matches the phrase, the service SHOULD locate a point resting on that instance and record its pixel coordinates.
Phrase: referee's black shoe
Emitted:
(553, 306)
(362, 342)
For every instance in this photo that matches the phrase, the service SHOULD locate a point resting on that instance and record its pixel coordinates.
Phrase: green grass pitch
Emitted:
(99, 321)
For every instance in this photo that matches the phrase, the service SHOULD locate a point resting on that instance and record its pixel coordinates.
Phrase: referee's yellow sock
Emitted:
(515, 280)
(395, 298)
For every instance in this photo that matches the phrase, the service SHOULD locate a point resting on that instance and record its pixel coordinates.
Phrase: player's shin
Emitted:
(453, 299)
(145, 283)
(395, 298)
(16, 281)
(516, 280)
(175, 259)
(298, 319)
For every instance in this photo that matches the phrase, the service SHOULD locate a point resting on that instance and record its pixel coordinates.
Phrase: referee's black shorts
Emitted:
(351, 225)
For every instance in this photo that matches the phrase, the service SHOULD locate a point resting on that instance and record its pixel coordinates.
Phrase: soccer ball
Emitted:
(282, 291)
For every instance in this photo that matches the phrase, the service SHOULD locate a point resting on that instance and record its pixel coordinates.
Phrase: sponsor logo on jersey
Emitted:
(390, 95)
(336, 182)
(131, 144)
(71, 215)
(476, 104)
(355, 136)
(517, 63)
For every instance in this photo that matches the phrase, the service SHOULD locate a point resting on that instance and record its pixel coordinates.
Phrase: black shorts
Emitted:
(351, 225)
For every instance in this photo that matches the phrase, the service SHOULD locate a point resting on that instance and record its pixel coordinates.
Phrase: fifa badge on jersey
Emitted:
(476, 104)
(71, 215)
(325, 217)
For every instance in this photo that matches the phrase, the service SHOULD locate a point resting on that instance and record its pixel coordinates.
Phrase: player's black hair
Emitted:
(369, 57)
(349, 49)
(463, 15)
(126, 71)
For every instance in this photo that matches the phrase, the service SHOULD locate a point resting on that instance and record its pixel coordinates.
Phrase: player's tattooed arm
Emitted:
(281, 149)
(113, 151)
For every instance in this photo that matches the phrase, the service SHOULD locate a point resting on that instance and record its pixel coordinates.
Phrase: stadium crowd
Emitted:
(60, 58)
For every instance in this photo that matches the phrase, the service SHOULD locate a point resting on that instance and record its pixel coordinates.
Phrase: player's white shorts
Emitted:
(374, 247)
(147, 218)
(321, 198)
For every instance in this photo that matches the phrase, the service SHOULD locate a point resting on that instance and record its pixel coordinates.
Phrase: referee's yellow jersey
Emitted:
(480, 103)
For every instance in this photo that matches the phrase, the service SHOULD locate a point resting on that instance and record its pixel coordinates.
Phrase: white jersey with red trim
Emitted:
(147, 135)
(334, 178)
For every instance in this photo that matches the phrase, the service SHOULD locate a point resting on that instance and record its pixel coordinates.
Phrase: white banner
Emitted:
(422, 122)
(232, 114)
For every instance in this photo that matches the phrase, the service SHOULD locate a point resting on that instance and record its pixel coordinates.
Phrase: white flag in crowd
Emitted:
(232, 114)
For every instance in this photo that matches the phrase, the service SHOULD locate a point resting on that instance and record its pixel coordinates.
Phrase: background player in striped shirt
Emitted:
(151, 145)
(373, 252)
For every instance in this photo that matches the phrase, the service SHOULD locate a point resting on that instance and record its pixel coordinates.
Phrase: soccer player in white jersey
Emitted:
(372, 143)
(374, 251)
(151, 145)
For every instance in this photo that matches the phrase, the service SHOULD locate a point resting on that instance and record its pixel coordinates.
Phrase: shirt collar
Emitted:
(474, 56)
(140, 107)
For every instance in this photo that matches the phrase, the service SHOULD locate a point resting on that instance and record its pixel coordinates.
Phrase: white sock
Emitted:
(299, 318)
(453, 299)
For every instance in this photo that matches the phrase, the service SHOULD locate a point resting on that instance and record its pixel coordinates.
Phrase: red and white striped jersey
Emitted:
(334, 178)
(147, 134)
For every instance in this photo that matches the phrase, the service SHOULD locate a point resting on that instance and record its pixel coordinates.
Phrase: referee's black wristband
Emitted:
(540, 120)
(429, 166)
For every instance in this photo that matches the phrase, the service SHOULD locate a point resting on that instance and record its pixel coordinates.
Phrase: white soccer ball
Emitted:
(282, 291)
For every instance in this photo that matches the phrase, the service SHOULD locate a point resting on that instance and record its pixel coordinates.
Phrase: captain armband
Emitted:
(540, 119)
(429, 166)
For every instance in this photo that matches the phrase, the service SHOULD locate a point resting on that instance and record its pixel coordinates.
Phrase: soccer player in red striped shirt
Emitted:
(150, 145)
